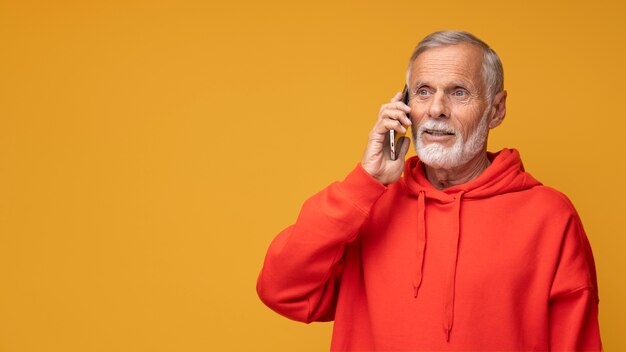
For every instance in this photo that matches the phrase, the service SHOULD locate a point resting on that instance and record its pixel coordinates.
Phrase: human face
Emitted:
(449, 107)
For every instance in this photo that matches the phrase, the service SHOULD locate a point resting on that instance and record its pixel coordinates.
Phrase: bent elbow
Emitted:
(283, 300)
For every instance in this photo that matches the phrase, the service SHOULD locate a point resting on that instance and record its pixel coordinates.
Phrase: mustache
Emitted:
(438, 126)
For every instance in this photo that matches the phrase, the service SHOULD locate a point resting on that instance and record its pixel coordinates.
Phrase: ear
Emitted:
(499, 109)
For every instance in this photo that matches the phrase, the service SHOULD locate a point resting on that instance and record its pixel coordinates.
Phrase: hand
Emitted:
(376, 160)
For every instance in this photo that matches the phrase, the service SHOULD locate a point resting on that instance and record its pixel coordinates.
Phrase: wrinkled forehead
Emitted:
(460, 62)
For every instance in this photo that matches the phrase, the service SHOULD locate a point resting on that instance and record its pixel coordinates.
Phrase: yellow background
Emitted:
(150, 150)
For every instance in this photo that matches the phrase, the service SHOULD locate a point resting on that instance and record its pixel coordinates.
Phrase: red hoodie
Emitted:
(498, 263)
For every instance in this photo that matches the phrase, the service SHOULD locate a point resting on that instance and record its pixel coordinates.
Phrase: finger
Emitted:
(397, 105)
(396, 97)
(386, 125)
(396, 115)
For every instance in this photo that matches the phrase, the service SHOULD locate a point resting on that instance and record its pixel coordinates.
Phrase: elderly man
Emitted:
(465, 251)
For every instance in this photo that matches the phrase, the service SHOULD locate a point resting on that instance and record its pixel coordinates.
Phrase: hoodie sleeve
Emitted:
(303, 265)
(573, 305)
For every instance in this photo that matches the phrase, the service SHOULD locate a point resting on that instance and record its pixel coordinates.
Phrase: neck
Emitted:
(444, 178)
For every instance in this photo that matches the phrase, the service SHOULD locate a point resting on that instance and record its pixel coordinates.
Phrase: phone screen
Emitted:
(394, 136)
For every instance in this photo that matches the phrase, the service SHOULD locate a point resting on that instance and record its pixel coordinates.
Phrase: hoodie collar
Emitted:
(505, 174)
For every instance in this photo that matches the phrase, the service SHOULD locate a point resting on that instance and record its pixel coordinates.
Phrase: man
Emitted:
(465, 251)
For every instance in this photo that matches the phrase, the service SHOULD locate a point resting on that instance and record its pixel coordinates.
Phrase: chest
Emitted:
(498, 244)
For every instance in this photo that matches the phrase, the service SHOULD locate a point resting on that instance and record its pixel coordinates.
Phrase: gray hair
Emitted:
(493, 73)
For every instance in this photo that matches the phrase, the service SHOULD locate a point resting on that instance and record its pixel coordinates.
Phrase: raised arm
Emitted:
(303, 265)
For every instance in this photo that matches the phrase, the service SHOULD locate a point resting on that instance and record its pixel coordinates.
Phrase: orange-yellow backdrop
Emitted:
(150, 150)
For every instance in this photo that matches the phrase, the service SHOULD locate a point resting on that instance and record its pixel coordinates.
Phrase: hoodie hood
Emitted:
(505, 175)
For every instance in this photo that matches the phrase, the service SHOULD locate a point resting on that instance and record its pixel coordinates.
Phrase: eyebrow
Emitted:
(417, 84)
(453, 84)
(460, 84)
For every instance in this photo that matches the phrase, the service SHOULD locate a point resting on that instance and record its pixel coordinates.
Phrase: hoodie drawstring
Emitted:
(421, 241)
(451, 276)
(454, 252)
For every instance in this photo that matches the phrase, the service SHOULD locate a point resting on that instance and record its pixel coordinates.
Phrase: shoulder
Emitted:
(546, 197)
(554, 213)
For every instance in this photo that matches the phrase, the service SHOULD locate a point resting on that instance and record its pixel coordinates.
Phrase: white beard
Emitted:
(437, 156)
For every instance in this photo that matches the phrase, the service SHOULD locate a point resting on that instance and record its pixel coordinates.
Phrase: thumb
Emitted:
(404, 143)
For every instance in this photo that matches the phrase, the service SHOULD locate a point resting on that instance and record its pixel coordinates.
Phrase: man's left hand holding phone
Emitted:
(388, 144)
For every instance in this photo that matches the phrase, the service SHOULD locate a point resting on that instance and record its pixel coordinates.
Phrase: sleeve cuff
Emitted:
(361, 188)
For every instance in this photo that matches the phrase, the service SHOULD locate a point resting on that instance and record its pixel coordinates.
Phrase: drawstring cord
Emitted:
(454, 252)
(451, 277)
(421, 241)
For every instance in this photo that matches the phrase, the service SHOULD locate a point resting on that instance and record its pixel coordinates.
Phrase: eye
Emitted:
(459, 93)
(422, 92)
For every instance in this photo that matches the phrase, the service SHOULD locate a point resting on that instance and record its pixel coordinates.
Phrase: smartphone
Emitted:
(394, 137)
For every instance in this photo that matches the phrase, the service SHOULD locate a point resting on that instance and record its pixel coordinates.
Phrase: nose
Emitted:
(438, 106)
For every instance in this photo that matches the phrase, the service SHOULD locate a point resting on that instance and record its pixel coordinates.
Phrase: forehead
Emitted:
(449, 63)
